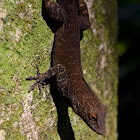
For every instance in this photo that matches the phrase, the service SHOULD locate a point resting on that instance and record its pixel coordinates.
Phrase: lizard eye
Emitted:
(92, 117)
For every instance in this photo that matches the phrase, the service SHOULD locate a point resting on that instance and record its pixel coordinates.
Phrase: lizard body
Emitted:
(63, 18)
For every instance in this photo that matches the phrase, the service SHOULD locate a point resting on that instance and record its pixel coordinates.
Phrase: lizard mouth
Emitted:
(97, 128)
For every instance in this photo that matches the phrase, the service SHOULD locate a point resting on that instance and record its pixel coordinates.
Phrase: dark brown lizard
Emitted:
(66, 18)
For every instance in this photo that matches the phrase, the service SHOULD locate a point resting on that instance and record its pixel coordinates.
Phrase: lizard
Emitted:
(66, 18)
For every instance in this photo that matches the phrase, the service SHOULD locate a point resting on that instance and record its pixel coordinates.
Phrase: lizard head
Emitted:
(95, 118)
(93, 113)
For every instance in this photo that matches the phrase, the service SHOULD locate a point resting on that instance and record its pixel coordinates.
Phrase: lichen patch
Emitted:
(103, 61)
(2, 13)
(27, 125)
(2, 134)
(2, 16)
(1, 25)
(1, 121)
(17, 35)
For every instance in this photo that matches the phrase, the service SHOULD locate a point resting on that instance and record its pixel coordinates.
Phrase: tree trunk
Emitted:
(26, 40)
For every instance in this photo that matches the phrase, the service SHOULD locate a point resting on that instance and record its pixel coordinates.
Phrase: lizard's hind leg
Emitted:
(61, 78)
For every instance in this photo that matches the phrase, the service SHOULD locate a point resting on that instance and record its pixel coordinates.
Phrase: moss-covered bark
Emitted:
(25, 40)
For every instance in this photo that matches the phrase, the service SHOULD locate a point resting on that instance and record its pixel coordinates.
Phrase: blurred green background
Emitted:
(129, 69)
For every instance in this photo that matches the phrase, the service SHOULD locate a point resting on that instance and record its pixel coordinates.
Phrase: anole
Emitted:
(66, 18)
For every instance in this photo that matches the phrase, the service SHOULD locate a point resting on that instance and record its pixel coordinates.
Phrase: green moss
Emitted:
(26, 40)
(99, 60)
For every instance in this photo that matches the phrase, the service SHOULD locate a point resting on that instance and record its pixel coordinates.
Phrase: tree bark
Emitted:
(26, 40)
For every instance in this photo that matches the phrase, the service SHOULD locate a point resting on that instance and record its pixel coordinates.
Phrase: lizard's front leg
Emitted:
(54, 11)
(84, 16)
(61, 78)
(53, 14)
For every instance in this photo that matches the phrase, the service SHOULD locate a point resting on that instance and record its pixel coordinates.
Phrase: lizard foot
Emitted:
(38, 79)
(41, 78)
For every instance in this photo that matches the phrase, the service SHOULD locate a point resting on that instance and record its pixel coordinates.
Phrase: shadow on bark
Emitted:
(64, 126)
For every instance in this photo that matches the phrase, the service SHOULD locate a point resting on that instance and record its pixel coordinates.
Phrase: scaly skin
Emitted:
(62, 17)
